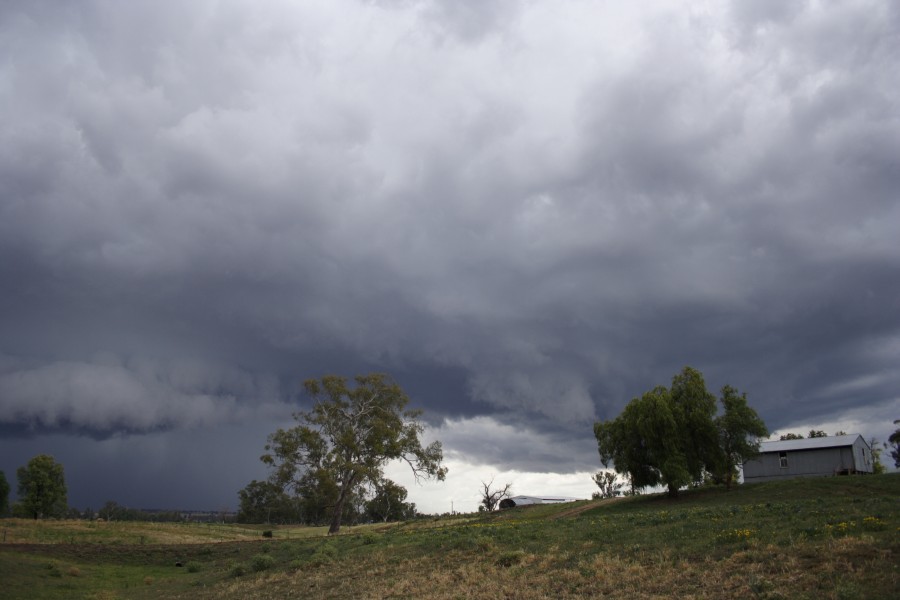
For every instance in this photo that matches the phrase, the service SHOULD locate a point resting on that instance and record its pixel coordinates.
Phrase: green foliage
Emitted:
(816, 433)
(324, 554)
(343, 443)
(608, 484)
(791, 436)
(267, 502)
(877, 448)
(317, 493)
(389, 503)
(42, 488)
(740, 430)
(667, 436)
(262, 562)
(238, 569)
(4, 495)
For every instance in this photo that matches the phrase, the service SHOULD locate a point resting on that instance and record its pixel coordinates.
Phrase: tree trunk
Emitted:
(338, 514)
(673, 491)
(339, 507)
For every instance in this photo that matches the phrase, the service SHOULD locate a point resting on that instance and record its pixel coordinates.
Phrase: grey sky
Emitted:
(528, 212)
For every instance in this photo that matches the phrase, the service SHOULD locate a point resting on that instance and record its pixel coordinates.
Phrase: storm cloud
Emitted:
(527, 212)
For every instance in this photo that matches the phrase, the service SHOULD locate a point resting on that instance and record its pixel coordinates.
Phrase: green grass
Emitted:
(812, 538)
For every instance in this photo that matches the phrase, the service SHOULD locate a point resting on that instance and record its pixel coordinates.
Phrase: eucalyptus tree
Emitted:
(609, 485)
(266, 502)
(42, 488)
(388, 503)
(346, 439)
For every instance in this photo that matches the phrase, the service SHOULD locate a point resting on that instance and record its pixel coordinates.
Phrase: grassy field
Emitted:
(815, 538)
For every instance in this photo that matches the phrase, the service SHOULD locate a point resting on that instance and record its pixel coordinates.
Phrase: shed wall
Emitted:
(805, 463)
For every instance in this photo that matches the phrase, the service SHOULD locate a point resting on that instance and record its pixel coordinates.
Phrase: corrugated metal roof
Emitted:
(523, 500)
(831, 441)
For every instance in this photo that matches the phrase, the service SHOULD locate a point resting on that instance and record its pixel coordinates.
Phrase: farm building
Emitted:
(813, 457)
(526, 500)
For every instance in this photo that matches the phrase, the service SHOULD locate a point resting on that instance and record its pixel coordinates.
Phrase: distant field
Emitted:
(826, 538)
(25, 531)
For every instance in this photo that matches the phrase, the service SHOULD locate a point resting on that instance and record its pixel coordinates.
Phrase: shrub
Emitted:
(510, 558)
(192, 567)
(267, 533)
(483, 543)
(262, 562)
(238, 569)
(324, 554)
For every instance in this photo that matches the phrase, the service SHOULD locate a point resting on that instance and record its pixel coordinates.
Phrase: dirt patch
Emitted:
(574, 512)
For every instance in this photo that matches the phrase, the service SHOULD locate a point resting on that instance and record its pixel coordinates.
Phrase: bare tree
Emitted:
(490, 498)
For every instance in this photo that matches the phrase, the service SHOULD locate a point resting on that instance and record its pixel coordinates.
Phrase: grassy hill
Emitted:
(813, 538)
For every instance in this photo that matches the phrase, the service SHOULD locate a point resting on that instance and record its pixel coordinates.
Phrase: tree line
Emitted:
(329, 467)
(43, 494)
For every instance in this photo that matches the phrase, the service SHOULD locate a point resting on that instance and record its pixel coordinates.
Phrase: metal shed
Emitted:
(526, 500)
(813, 457)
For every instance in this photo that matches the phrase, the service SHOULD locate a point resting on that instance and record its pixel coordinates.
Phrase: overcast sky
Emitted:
(527, 212)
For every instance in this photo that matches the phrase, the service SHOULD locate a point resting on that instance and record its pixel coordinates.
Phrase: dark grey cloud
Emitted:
(527, 212)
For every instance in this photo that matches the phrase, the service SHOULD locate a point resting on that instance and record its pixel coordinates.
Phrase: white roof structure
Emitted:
(526, 500)
(831, 441)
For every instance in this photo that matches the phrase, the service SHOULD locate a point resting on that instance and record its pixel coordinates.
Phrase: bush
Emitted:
(238, 569)
(267, 533)
(262, 562)
(298, 563)
(324, 554)
(510, 558)
(192, 567)
(483, 543)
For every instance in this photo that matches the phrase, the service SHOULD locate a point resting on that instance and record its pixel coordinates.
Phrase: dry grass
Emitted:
(29, 531)
(820, 539)
(835, 571)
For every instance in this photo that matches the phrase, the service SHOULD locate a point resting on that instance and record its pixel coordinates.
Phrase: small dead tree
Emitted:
(490, 498)
(606, 481)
